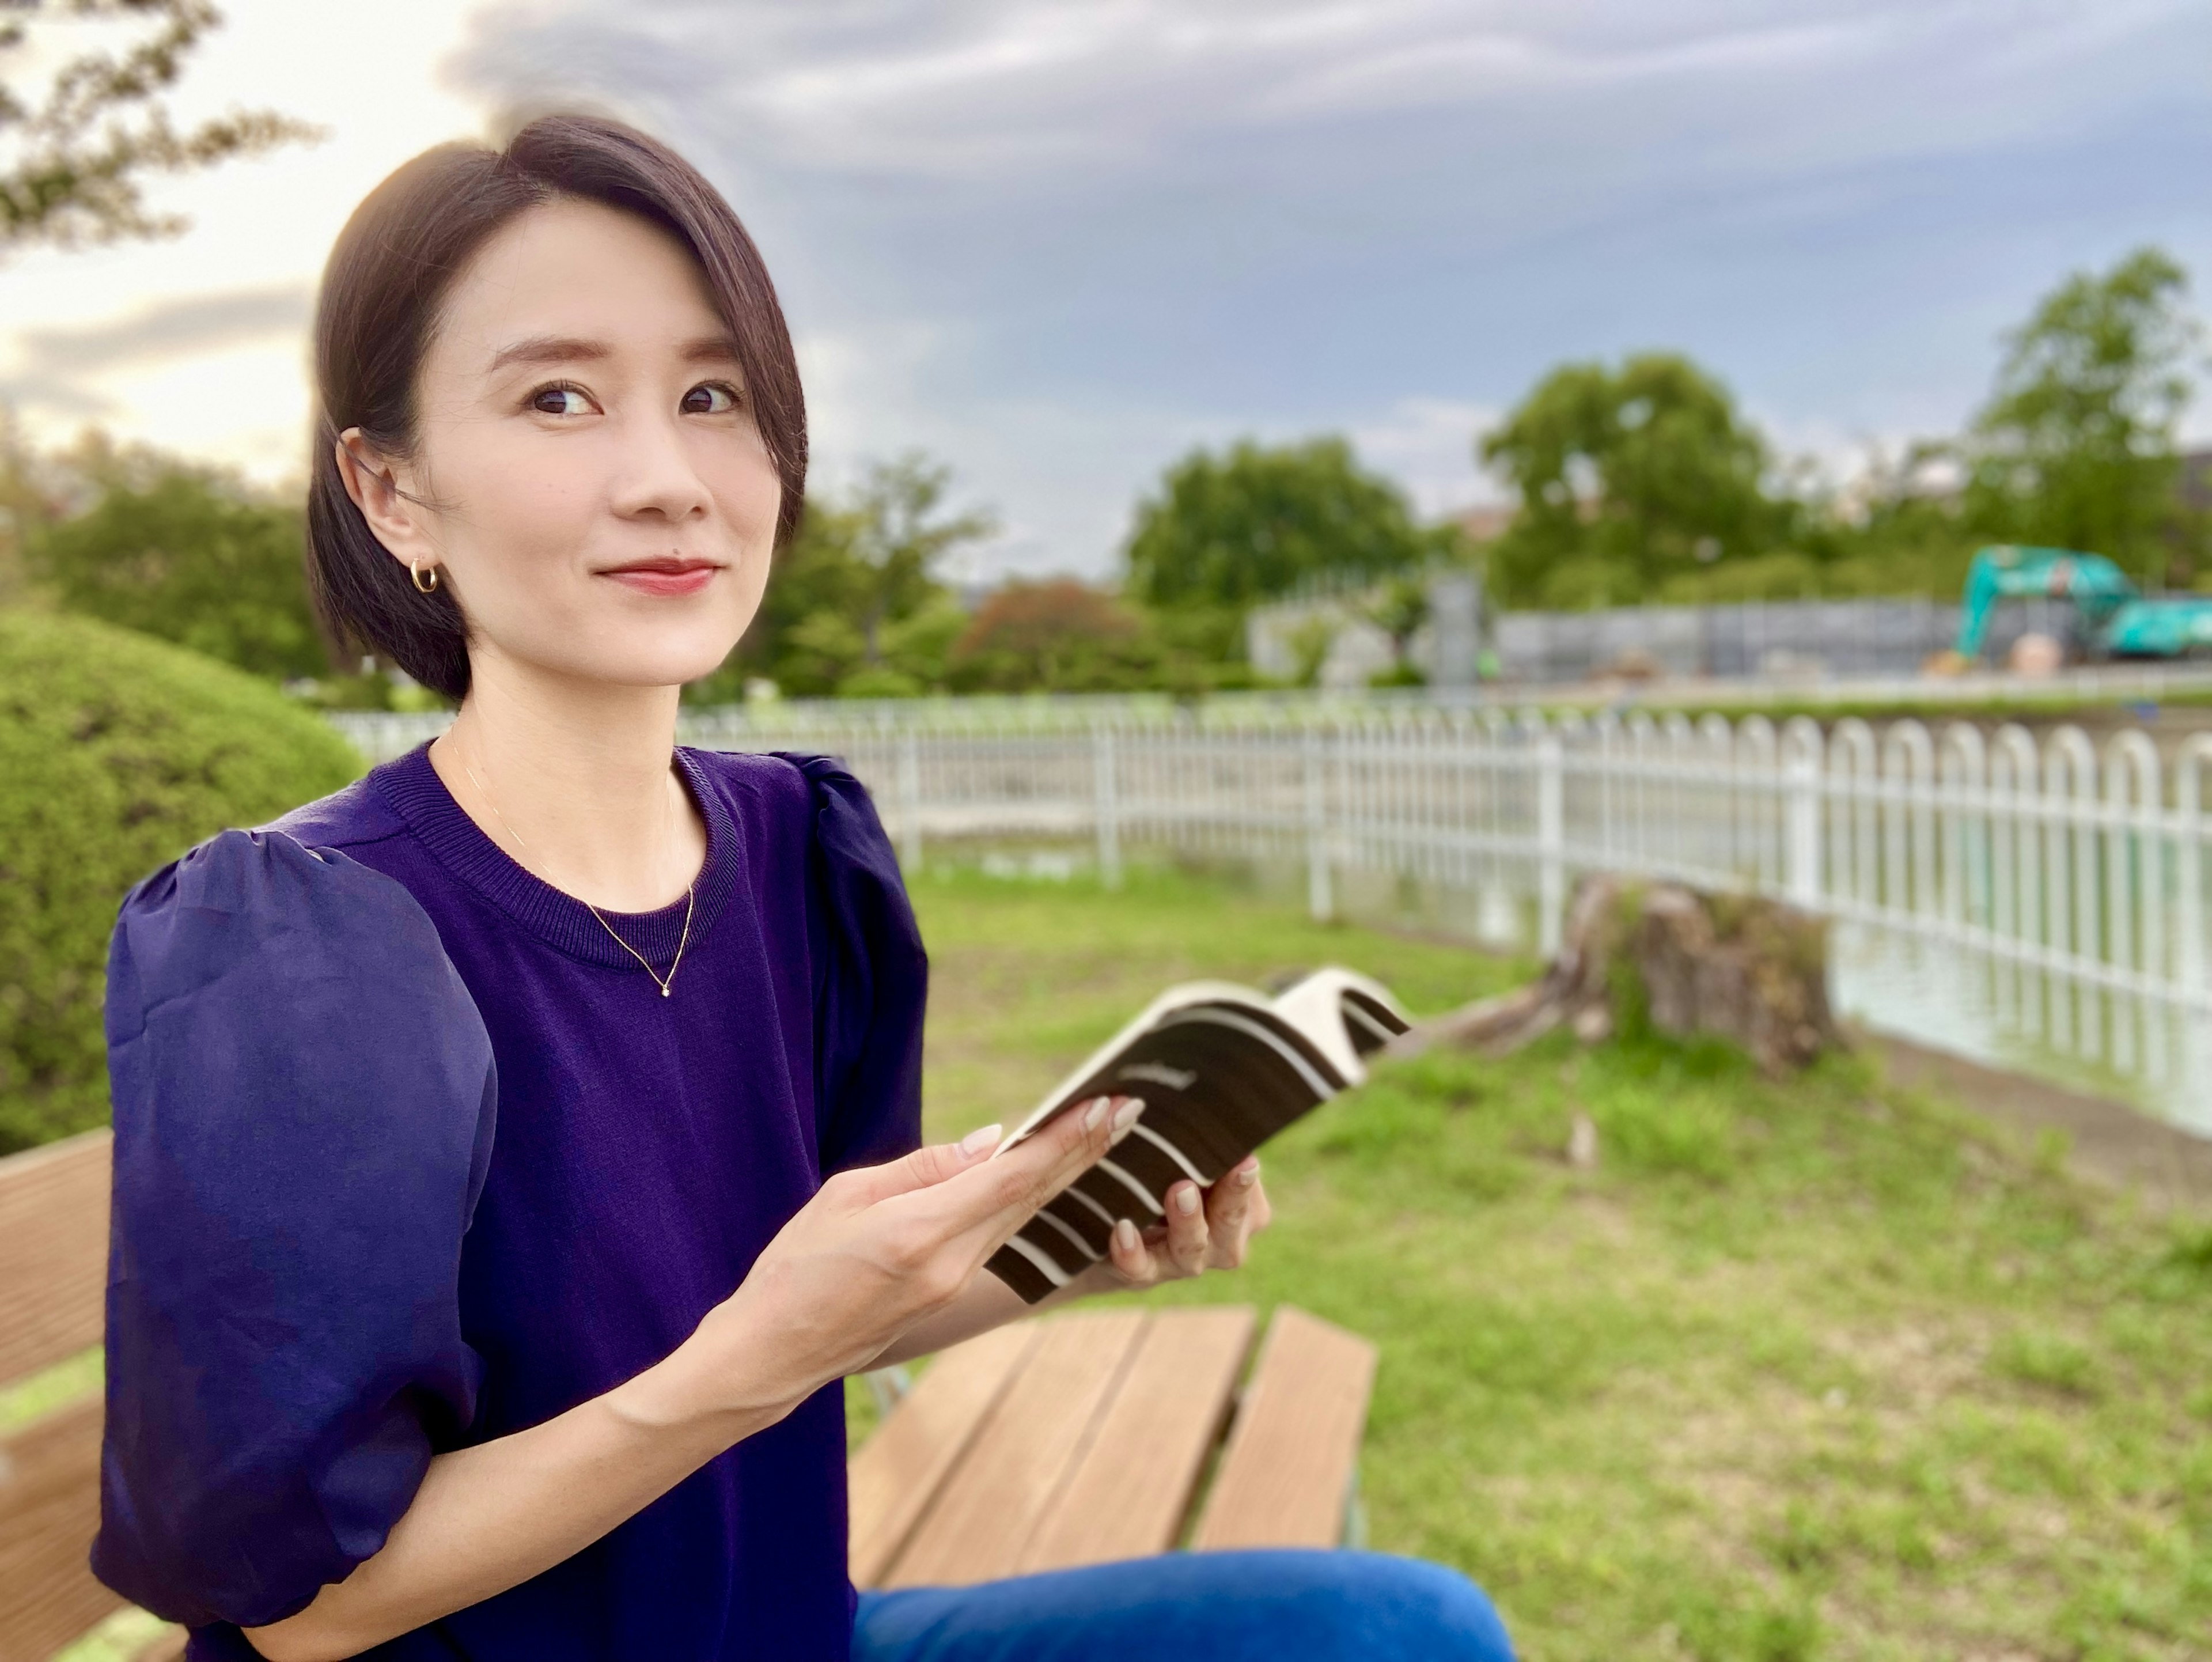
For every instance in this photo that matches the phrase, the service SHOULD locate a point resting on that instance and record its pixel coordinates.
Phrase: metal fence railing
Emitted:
(2056, 891)
(381, 735)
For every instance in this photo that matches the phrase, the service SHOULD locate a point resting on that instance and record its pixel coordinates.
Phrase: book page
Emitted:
(1220, 1070)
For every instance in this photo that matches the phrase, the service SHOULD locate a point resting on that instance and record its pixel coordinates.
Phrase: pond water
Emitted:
(2146, 1052)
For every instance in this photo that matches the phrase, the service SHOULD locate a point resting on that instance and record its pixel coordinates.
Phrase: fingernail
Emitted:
(1094, 1113)
(1247, 1174)
(1126, 1116)
(1125, 1236)
(982, 1137)
(1186, 1201)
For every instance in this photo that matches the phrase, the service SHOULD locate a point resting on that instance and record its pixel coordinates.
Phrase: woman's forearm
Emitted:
(489, 1518)
(878, 1251)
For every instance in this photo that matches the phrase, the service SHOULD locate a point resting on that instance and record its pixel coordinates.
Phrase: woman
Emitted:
(514, 1151)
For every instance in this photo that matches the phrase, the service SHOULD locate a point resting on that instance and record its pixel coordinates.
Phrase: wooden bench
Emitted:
(53, 1281)
(1083, 1439)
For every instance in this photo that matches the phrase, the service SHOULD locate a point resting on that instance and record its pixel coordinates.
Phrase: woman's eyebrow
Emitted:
(548, 348)
(711, 349)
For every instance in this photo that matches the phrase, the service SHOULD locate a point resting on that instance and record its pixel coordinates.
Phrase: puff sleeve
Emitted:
(304, 1102)
(872, 977)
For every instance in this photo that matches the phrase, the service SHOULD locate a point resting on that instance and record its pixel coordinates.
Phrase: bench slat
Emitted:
(897, 1471)
(1287, 1470)
(1130, 1491)
(53, 1252)
(982, 1518)
(49, 1508)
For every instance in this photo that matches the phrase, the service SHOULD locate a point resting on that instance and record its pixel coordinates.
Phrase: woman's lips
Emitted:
(665, 577)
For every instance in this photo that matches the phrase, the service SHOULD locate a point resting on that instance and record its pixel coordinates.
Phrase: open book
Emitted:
(1221, 1068)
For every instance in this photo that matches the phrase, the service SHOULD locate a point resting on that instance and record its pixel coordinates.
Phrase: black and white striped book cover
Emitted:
(1220, 1069)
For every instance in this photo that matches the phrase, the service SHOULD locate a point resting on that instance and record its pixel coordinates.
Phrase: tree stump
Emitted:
(1748, 970)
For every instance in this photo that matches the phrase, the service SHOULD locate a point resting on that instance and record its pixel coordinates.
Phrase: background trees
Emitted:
(1058, 635)
(1645, 482)
(2076, 446)
(853, 605)
(1225, 532)
(1626, 478)
(1635, 483)
(191, 558)
(73, 154)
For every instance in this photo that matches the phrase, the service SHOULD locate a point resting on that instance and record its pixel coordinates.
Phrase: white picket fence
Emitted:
(2051, 895)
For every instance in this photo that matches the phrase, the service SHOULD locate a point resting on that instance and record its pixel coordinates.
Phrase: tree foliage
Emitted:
(190, 557)
(73, 158)
(2076, 446)
(118, 754)
(1227, 531)
(1626, 478)
(1057, 636)
(1399, 608)
(853, 605)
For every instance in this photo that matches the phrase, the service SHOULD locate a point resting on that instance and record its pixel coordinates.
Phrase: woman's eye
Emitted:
(560, 401)
(711, 399)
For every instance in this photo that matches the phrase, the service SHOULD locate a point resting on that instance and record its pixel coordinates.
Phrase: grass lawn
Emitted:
(1824, 1369)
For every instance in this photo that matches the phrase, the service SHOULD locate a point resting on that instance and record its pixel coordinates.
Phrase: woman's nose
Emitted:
(657, 476)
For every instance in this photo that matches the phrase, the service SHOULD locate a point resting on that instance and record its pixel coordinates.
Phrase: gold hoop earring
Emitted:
(420, 572)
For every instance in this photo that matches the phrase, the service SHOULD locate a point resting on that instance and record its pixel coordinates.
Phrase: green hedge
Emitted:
(117, 753)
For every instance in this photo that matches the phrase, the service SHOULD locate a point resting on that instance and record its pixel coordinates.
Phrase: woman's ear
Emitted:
(372, 479)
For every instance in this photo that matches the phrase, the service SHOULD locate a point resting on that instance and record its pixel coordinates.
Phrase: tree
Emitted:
(896, 535)
(73, 158)
(1227, 531)
(2075, 448)
(1399, 608)
(26, 504)
(1058, 635)
(187, 556)
(853, 606)
(1310, 643)
(1626, 478)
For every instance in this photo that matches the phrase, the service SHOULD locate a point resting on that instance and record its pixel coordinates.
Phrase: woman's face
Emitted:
(590, 483)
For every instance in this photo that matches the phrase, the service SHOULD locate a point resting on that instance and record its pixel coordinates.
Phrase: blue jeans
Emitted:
(1207, 1606)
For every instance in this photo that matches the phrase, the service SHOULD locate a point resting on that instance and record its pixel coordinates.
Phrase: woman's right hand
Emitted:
(877, 1250)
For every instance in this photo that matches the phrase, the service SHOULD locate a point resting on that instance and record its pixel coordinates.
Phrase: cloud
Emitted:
(191, 326)
(69, 374)
(1428, 444)
(1061, 241)
(1000, 90)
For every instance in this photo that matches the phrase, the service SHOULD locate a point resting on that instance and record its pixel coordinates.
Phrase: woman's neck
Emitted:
(574, 780)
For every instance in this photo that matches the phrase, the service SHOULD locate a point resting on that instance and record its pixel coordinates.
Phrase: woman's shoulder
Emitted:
(746, 779)
(299, 903)
(819, 806)
(360, 814)
(794, 790)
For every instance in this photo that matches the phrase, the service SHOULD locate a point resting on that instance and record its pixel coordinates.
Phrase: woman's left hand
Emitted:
(1206, 1229)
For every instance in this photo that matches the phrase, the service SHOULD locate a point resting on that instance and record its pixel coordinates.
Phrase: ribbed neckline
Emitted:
(415, 792)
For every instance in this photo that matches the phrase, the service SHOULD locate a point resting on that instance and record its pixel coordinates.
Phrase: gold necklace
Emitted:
(690, 894)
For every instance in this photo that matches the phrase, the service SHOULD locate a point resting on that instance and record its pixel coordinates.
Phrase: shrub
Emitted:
(117, 753)
(1058, 635)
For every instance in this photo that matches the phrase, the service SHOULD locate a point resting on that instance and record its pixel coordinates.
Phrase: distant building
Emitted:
(2195, 485)
(1487, 523)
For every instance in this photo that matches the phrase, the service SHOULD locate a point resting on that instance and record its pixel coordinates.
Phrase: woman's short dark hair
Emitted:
(381, 294)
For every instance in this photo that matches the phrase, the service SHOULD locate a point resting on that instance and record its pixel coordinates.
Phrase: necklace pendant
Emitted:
(664, 989)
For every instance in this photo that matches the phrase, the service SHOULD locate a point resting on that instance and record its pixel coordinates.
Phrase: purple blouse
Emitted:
(409, 1154)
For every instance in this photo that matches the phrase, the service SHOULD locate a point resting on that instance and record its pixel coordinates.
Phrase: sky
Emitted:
(1057, 244)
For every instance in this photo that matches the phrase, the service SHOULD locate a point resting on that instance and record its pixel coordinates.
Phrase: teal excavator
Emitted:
(2118, 619)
